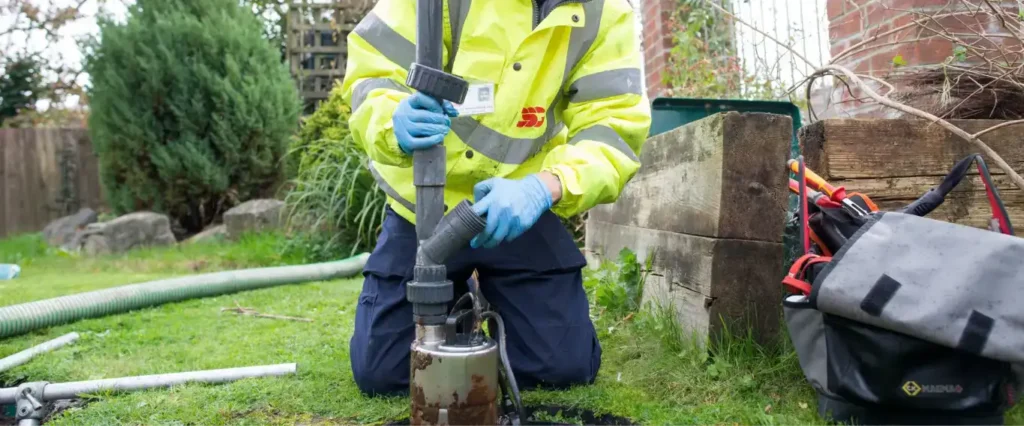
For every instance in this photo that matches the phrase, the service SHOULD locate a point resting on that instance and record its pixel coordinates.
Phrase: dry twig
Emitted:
(1005, 71)
(972, 138)
(238, 309)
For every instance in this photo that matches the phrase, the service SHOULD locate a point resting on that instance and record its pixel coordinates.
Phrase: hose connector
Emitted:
(454, 231)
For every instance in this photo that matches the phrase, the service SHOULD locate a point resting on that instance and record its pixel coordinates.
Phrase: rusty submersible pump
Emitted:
(456, 369)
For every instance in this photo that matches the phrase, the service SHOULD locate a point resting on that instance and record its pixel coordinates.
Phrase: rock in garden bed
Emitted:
(61, 232)
(252, 216)
(131, 231)
(211, 233)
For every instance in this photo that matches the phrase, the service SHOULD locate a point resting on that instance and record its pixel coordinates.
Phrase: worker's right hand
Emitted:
(420, 122)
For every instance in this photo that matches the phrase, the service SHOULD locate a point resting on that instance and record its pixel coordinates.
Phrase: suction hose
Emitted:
(25, 317)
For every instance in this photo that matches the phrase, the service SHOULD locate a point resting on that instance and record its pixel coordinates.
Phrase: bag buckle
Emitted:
(795, 280)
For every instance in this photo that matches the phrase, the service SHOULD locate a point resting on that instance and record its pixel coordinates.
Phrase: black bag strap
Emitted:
(937, 195)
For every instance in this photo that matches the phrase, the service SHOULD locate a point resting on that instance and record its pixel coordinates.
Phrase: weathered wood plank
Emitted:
(709, 282)
(25, 154)
(49, 175)
(852, 148)
(723, 176)
(966, 205)
(90, 193)
(6, 135)
(31, 177)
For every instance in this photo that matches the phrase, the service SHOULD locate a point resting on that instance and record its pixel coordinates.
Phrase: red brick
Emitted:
(839, 47)
(835, 8)
(882, 62)
(877, 14)
(930, 51)
(844, 27)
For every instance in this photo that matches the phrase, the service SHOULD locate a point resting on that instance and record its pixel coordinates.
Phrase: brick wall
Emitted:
(853, 21)
(656, 16)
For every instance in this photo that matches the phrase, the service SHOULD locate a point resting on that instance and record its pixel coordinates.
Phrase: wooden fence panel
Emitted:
(46, 173)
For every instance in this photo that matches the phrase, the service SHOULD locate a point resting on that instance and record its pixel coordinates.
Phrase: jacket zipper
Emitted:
(537, 12)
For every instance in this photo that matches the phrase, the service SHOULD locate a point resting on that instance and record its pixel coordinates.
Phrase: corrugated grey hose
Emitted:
(25, 317)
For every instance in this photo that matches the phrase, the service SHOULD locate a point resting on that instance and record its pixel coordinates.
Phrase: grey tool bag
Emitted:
(914, 320)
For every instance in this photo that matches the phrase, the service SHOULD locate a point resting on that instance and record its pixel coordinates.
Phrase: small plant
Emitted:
(556, 418)
(617, 287)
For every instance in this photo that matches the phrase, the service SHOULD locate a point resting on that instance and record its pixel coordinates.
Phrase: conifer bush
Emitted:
(191, 109)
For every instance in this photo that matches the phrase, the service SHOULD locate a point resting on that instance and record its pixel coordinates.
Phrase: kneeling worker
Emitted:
(552, 126)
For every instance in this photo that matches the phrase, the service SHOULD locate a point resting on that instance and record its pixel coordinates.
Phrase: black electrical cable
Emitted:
(504, 361)
(468, 296)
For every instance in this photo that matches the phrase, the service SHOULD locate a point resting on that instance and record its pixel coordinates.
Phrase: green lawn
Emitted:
(649, 373)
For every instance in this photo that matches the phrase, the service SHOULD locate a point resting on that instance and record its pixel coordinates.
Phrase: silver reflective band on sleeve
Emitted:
(605, 84)
(582, 38)
(607, 136)
(386, 40)
(498, 147)
(363, 89)
(388, 189)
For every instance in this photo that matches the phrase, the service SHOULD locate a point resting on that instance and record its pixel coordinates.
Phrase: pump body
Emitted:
(454, 384)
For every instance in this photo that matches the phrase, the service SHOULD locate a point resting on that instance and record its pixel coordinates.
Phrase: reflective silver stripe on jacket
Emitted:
(605, 84)
(363, 89)
(498, 147)
(607, 136)
(386, 40)
(505, 149)
(458, 10)
(388, 189)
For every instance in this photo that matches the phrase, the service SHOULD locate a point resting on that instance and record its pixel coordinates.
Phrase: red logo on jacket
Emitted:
(532, 117)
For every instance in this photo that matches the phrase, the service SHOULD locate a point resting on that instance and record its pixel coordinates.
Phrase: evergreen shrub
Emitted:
(191, 109)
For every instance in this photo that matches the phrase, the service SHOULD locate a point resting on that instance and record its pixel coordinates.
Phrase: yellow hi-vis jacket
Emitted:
(567, 96)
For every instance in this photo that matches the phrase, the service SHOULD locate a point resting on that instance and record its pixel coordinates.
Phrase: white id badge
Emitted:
(479, 99)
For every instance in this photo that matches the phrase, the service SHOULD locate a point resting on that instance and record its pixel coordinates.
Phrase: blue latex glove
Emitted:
(420, 121)
(510, 206)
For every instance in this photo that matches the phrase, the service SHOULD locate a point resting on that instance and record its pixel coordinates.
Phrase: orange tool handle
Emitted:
(816, 197)
(816, 182)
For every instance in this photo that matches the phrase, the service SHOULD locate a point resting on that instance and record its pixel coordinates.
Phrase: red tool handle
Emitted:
(816, 197)
(816, 182)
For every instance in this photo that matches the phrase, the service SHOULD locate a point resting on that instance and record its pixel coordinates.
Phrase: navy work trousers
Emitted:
(534, 283)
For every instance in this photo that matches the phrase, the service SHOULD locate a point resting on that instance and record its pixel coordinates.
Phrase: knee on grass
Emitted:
(380, 381)
(563, 371)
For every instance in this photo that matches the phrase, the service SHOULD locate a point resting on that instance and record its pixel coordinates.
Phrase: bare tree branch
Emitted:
(996, 158)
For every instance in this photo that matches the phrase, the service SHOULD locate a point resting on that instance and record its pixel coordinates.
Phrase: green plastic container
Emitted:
(669, 113)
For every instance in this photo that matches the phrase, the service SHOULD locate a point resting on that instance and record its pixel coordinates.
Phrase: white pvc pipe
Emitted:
(55, 391)
(7, 395)
(73, 389)
(27, 354)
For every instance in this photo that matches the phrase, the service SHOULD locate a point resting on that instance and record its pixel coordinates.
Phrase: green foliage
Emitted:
(960, 53)
(333, 194)
(191, 109)
(21, 86)
(898, 60)
(23, 249)
(617, 287)
(704, 61)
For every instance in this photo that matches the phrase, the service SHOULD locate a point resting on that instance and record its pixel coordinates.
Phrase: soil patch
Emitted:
(556, 415)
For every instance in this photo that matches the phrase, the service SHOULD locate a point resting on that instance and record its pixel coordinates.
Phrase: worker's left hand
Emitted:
(510, 206)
